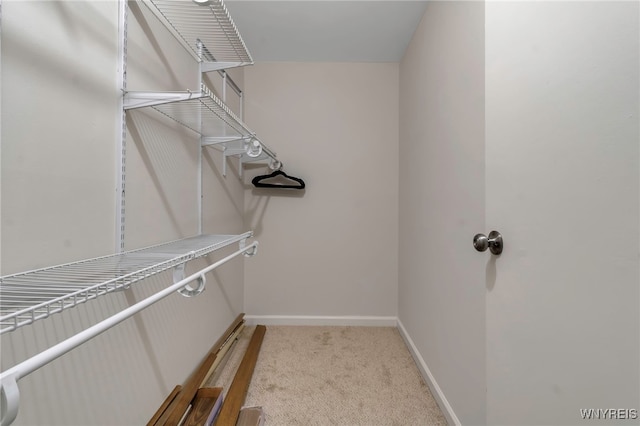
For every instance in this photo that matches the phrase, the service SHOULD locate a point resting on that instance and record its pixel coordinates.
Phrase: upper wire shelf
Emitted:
(207, 115)
(29, 296)
(206, 29)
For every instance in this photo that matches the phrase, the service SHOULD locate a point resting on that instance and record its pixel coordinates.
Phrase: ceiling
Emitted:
(326, 30)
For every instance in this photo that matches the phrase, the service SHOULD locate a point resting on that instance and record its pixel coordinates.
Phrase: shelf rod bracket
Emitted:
(187, 290)
(10, 400)
(248, 253)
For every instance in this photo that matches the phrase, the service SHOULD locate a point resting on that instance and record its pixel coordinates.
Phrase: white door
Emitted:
(562, 186)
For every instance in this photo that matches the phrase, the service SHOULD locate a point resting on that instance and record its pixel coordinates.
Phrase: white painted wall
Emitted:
(59, 133)
(441, 295)
(332, 249)
(49, 215)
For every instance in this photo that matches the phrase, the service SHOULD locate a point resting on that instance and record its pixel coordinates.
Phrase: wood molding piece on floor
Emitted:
(361, 321)
(165, 405)
(234, 399)
(178, 407)
(437, 393)
(226, 347)
(204, 402)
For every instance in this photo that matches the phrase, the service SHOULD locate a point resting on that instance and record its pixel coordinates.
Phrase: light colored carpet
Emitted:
(335, 376)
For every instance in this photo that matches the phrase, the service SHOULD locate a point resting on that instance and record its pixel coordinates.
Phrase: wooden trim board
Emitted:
(176, 410)
(202, 406)
(234, 399)
(165, 404)
(222, 353)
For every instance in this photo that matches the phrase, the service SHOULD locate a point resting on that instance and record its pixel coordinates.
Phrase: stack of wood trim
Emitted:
(188, 403)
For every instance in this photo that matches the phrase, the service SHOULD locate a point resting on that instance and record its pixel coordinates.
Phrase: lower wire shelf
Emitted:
(29, 296)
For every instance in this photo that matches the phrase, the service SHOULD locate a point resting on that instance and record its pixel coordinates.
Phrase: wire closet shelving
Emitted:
(207, 30)
(29, 296)
(9, 378)
(205, 27)
(207, 115)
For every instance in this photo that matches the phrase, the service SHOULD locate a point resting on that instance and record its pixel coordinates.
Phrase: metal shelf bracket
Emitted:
(248, 253)
(187, 290)
(134, 100)
(10, 394)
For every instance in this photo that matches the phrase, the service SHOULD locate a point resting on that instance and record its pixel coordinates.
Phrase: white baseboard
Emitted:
(437, 393)
(321, 320)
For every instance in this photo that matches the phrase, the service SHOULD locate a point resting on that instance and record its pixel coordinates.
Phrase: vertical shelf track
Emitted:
(121, 146)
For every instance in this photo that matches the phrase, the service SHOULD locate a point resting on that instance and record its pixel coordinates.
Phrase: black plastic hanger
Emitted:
(257, 181)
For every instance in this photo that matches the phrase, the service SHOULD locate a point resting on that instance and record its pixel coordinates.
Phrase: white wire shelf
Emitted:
(29, 296)
(207, 115)
(202, 112)
(206, 29)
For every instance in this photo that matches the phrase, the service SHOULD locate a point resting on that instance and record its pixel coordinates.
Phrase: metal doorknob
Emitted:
(493, 242)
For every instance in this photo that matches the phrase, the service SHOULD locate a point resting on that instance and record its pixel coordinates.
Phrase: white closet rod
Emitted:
(9, 378)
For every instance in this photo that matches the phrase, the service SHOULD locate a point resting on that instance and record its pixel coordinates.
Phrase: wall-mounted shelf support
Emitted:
(187, 290)
(249, 252)
(121, 145)
(134, 100)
